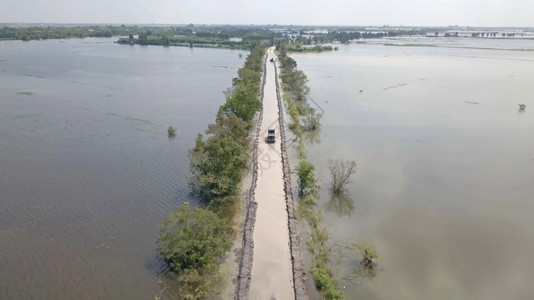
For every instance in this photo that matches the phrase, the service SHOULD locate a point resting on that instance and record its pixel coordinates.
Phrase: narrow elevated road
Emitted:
(272, 276)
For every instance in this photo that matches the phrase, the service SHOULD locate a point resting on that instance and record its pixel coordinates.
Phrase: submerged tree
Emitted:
(341, 172)
(192, 239)
(368, 265)
(216, 167)
(312, 121)
(311, 137)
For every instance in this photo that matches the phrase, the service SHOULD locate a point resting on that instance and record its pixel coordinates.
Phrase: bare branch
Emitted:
(341, 172)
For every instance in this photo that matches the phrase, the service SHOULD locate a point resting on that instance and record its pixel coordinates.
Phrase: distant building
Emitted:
(125, 41)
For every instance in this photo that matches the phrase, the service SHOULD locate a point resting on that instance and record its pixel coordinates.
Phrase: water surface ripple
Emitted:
(87, 170)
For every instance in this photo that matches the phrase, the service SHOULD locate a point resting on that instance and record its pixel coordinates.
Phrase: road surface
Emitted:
(272, 276)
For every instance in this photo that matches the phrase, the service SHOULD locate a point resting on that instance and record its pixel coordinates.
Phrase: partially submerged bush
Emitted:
(312, 121)
(171, 131)
(192, 239)
(325, 283)
(369, 255)
(197, 284)
(341, 172)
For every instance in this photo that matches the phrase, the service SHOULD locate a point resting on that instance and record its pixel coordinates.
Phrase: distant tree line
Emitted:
(55, 32)
(206, 35)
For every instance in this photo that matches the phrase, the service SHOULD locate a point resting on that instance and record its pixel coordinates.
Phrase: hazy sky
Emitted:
(323, 12)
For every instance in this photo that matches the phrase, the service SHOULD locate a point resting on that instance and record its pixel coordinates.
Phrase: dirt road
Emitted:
(272, 276)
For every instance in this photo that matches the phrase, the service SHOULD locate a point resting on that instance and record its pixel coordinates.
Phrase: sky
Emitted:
(509, 13)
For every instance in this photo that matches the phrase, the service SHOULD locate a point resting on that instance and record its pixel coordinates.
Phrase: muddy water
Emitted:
(86, 168)
(445, 176)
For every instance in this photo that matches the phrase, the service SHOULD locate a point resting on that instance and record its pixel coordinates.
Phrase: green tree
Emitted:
(143, 39)
(192, 239)
(306, 178)
(229, 125)
(243, 104)
(216, 166)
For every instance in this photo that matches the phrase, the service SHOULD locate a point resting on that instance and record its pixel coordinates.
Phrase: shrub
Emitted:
(171, 131)
(312, 121)
(192, 239)
(306, 178)
(341, 172)
(197, 284)
(325, 282)
(369, 255)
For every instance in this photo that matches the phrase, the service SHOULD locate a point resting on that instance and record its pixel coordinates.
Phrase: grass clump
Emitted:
(369, 255)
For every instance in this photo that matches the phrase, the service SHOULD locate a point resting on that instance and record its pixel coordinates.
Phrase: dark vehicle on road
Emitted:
(271, 137)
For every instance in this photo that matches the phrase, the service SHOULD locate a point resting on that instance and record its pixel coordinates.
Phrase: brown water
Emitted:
(445, 180)
(87, 171)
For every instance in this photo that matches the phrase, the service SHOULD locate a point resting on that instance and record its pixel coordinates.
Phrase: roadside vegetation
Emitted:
(305, 120)
(306, 178)
(218, 161)
(205, 233)
(193, 240)
(306, 127)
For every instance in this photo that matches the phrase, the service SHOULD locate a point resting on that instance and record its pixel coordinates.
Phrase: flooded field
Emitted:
(87, 168)
(445, 177)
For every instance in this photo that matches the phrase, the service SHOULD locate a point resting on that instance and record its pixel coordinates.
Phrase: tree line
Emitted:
(220, 36)
(57, 32)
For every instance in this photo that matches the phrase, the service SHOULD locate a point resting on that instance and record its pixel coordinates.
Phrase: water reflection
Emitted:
(311, 137)
(341, 204)
(444, 190)
(350, 266)
(88, 171)
(365, 271)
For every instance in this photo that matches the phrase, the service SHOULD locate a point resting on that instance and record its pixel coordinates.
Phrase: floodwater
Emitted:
(87, 169)
(445, 181)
